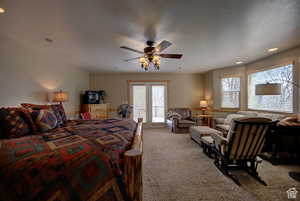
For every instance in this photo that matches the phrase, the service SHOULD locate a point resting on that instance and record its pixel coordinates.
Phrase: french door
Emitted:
(149, 101)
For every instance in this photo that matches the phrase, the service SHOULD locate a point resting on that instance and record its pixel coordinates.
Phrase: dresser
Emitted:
(98, 111)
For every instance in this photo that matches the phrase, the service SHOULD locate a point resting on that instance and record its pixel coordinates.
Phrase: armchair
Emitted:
(179, 120)
(242, 145)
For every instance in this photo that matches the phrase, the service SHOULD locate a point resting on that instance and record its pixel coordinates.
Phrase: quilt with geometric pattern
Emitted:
(82, 161)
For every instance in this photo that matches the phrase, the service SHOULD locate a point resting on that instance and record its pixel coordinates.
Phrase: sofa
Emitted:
(179, 120)
(223, 124)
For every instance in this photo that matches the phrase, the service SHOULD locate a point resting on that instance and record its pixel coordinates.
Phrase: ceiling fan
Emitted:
(152, 55)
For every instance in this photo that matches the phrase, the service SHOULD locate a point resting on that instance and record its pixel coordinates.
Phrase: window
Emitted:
(278, 103)
(230, 92)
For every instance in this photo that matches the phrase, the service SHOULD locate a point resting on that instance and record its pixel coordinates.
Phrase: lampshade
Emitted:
(203, 103)
(60, 96)
(268, 89)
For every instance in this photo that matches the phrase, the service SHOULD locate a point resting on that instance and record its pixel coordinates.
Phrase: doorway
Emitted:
(149, 101)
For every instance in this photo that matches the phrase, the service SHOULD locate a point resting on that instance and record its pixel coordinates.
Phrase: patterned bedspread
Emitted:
(81, 161)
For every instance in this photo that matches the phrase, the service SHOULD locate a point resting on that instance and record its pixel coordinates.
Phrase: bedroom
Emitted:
(74, 46)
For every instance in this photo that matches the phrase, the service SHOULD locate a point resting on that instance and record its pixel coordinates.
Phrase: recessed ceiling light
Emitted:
(273, 49)
(2, 10)
(238, 62)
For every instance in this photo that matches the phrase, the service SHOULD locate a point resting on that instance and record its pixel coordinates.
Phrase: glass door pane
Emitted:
(139, 102)
(158, 104)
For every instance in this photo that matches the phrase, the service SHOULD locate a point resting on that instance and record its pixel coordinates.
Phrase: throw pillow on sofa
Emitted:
(13, 123)
(45, 120)
(247, 113)
(230, 117)
(172, 114)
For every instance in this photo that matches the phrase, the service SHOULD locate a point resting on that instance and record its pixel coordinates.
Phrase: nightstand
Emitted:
(204, 120)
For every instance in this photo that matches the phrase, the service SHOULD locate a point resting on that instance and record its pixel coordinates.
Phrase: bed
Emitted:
(82, 161)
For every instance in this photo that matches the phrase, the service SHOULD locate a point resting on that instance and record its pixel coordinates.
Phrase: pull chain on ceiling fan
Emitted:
(152, 55)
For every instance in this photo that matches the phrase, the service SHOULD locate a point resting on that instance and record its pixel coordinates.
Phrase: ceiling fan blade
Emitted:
(163, 45)
(171, 56)
(132, 59)
(131, 49)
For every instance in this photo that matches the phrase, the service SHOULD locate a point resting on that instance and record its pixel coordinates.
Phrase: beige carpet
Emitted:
(175, 169)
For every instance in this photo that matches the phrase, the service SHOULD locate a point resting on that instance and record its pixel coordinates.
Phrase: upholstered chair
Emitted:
(179, 120)
(243, 144)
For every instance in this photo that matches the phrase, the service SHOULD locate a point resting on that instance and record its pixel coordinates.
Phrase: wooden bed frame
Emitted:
(133, 165)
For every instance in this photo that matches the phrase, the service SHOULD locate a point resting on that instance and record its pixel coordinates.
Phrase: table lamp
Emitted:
(203, 105)
(60, 96)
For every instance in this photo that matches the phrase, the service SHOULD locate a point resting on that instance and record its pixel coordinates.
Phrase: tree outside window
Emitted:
(230, 92)
(278, 103)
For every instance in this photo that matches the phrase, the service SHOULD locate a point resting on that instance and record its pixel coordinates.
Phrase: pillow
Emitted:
(172, 114)
(45, 120)
(34, 106)
(289, 121)
(59, 112)
(58, 116)
(247, 113)
(230, 117)
(13, 123)
(272, 116)
(26, 114)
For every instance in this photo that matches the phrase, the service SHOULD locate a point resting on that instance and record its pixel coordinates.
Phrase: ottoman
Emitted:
(201, 135)
(208, 145)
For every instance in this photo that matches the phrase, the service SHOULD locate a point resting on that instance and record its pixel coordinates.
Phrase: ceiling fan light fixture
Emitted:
(143, 60)
(144, 64)
(146, 67)
(156, 58)
(152, 55)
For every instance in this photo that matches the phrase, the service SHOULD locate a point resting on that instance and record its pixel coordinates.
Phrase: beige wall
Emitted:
(28, 74)
(184, 90)
(208, 85)
(214, 88)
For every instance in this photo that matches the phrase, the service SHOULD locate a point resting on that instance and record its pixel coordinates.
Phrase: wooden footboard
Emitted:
(133, 166)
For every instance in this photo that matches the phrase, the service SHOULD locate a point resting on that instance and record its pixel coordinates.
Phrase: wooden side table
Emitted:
(204, 120)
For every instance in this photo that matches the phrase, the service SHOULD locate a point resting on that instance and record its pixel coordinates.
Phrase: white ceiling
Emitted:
(210, 33)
